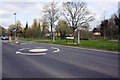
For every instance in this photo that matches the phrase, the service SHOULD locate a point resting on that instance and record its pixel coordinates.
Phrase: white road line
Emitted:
(57, 49)
(18, 52)
(30, 53)
(21, 49)
(100, 50)
(38, 50)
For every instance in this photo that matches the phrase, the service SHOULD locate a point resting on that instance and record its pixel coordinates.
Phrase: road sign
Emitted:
(69, 37)
(14, 29)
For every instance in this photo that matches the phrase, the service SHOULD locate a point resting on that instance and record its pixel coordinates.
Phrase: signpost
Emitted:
(16, 38)
(14, 30)
(70, 38)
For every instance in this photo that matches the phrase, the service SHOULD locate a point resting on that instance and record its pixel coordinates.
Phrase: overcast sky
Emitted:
(27, 10)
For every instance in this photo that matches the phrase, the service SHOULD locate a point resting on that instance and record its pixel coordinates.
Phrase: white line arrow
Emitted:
(57, 49)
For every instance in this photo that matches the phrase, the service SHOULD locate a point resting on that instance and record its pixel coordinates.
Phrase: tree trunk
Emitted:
(73, 32)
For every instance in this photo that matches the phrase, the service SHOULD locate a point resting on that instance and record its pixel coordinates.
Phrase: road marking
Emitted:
(38, 50)
(30, 53)
(97, 50)
(18, 52)
(57, 49)
(21, 49)
(31, 50)
(88, 49)
(23, 43)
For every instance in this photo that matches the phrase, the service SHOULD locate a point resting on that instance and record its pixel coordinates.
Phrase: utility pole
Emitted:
(104, 24)
(78, 35)
(53, 33)
(119, 18)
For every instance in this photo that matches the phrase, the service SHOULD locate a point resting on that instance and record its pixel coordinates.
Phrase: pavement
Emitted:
(43, 60)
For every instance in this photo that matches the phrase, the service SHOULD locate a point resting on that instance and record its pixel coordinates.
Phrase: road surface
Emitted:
(42, 60)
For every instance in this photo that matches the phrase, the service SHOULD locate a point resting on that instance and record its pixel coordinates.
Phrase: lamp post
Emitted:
(15, 23)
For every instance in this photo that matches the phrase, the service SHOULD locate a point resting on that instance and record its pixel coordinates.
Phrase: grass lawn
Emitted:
(99, 44)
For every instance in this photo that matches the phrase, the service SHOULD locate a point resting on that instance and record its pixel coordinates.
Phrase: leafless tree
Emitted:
(51, 13)
(76, 14)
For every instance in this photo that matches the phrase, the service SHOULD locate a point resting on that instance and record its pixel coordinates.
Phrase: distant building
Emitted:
(96, 32)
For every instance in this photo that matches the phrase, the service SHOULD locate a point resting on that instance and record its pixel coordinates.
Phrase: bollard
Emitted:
(10, 39)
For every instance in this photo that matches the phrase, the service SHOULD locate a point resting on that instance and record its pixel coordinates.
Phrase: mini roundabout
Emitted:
(37, 51)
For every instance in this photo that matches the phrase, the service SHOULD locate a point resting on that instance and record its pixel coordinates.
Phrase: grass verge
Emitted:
(99, 44)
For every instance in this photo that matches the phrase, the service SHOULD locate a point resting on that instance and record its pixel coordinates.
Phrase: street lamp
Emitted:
(15, 23)
(15, 18)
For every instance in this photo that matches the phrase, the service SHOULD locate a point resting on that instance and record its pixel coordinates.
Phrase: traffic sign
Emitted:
(14, 29)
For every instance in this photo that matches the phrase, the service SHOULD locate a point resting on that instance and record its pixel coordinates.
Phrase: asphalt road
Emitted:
(57, 61)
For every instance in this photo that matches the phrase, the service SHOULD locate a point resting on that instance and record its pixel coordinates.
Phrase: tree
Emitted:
(3, 31)
(45, 28)
(26, 27)
(19, 29)
(104, 27)
(117, 22)
(76, 14)
(25, 30)
(28, 32)
(109, 29)
(51, 12)
(63, 29)
(10, 29)
(35, 29)
(85, 26)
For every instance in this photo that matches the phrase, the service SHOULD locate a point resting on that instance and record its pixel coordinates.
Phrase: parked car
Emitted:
(4, 38)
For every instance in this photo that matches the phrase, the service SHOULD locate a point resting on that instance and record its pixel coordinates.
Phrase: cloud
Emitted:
(34, 0)
(6, 22)
(103, 8)
(2, 12)
(27, 10)
(58, 0)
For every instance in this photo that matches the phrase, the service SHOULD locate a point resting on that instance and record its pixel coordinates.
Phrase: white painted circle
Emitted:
(38, 50)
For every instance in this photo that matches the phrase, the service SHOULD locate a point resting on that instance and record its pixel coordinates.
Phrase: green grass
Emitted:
(99, 44)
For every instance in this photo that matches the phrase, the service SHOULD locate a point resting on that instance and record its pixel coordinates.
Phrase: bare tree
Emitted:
(117, 22)
(51, 12)
(76, 14)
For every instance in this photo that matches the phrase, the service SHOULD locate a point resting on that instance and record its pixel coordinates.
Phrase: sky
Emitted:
(28, 10)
